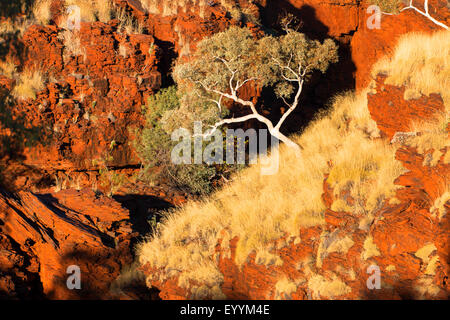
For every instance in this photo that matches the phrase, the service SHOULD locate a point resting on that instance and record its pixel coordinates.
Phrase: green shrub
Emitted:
(154, 146)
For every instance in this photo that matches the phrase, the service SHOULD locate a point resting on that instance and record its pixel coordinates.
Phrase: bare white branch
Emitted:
(425, 13)
(274, 130)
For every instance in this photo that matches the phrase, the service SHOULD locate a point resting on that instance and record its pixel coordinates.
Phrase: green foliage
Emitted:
(153, 222)
(154, 146)
(388, 6)
(193, 178)
(236, 46)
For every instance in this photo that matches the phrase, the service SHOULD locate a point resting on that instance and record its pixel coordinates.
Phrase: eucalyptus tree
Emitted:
(227, 61)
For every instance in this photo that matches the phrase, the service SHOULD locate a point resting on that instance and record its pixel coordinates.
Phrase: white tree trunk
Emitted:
(425, 13)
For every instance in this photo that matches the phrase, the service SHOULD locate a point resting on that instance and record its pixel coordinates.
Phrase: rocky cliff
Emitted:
(91, 103)
(94, 93)
(406, 237)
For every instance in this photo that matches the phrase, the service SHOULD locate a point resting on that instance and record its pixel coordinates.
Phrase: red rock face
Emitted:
(397, 233)
(347, 22)
(94, 95)
(92, 99)
(95, 98)
(43, 237)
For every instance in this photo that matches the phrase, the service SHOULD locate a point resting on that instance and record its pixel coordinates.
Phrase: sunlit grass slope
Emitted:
(257, 209)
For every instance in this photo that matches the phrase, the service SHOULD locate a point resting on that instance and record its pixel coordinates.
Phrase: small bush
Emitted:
(154, 146)
(109, 179)
(29, 84)
(41, 11)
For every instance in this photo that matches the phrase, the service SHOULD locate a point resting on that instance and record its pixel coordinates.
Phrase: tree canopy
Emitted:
(229, 60)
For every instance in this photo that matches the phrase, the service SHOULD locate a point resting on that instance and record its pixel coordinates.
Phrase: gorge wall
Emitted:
(91, 105)
(93, 98)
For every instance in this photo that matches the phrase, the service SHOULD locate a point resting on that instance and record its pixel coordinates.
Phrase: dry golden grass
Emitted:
(432, 136)
(391, 268)
(123, 51)
(128, 24)
(432, 266)
(29, 83)
(66, 182)
(72, 43)
(425, 252)
(267, 258)
(260, 209)
(284, 288)
(104, 11)
(41, 11)
(425, 287)
(172, 7)
(8, 68)
(91, 11)
(447, 157)
(341, 245)
(421, 63)
(130, 275)
(366, 170)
